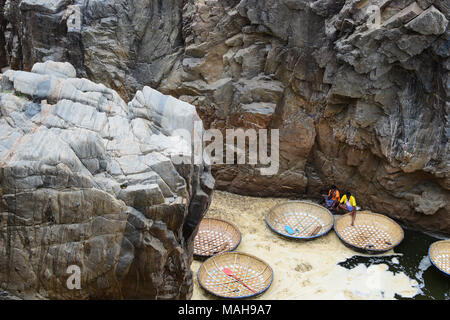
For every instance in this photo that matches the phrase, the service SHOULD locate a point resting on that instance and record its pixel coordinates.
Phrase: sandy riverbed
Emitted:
(303, 269)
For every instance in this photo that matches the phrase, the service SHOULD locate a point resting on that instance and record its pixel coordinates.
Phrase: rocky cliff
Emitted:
(89, 184)
(360, 95)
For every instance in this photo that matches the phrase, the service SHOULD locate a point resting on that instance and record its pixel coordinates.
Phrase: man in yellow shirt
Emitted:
(348, 204)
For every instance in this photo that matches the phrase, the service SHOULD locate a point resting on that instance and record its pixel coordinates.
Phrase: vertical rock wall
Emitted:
(362, 107)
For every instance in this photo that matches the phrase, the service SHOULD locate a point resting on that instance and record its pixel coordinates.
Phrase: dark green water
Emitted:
(414, 262)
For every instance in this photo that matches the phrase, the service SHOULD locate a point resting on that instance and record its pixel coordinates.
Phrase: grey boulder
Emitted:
(87, 180)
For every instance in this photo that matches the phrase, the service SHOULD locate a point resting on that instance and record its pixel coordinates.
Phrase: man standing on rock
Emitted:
(348, 204)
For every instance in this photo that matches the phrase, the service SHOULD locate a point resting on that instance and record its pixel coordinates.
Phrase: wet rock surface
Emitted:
(360, 101)
(90, 181)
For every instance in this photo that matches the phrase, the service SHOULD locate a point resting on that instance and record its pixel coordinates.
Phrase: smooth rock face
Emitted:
(88, 180)
(109, 41)
(358, 105)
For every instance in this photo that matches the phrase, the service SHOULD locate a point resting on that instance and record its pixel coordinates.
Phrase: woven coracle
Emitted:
(215, 236)
(251, 270)
(308, 220)
(372, 232)
(439, 254)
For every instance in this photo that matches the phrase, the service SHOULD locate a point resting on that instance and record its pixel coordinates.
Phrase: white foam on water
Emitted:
(424, 264)
(362, 282)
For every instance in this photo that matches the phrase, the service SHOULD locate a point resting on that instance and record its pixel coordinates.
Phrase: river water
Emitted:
(413, 261)
(324, 268)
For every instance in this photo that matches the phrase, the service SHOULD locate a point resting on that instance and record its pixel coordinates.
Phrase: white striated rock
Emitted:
(57, 69)
(87, 180)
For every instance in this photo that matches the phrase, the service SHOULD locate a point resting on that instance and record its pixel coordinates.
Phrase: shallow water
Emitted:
(414, 262)
(324, 268)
